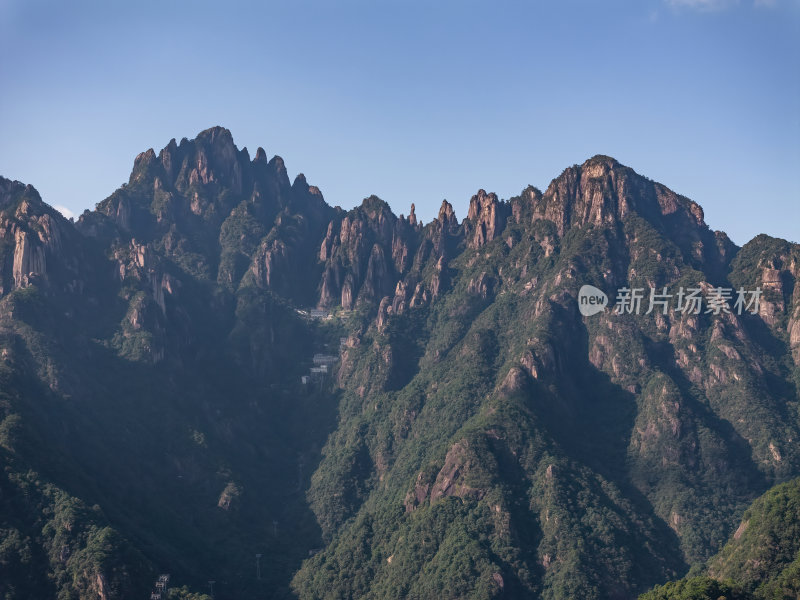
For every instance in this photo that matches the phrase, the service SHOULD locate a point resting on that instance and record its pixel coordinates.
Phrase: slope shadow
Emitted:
(153, 446)
(591, 419)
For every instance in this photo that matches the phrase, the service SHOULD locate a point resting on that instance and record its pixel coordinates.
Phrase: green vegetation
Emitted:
(696, 588)
(764, 552)
(761, 561)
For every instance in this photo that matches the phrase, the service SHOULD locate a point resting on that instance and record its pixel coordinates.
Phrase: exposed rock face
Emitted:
(204, 194)
(210, 158)
(482, 286)
(271, 262)
(383, 312)
(32, 235)
(439, 280)
(430, 246)
(453, 478)
(774, 305)
(228, 497)
(28, 259)
(539, 359)
(486, 219)
(522, 205)
(447, 216)
(154, 300)
(794, 334)
(776, 273)
(602, 192)
(515, 381)
(365, 254)
(794, 320)
(418, 494)
(138, 262)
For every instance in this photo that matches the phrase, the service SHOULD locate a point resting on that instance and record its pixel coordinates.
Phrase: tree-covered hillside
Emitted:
(761, 561)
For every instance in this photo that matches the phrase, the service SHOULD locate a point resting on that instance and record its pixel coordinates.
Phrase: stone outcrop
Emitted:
(33, 236)
(485, 220)
(365, 254)
(602, 192)
(453, 478)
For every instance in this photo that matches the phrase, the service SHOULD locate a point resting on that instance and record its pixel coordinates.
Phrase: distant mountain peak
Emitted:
(602, 159)
(261, 156)
(216, 134)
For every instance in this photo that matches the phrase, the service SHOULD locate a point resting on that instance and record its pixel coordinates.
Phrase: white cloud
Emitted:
(715, 5)
(65, 211)
(703, 5)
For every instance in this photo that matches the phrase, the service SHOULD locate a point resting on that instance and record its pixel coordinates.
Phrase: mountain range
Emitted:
(217, 375)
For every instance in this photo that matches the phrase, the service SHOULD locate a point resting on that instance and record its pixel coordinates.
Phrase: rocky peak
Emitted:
(261, 156)
(773, 265)
(142, 165)
(602, 191)
(217, 159)
(217, 135)
(404, 241)
(485, 220)
(278, 168)
(168, 157)
(355, 251)
(440, 236)
(32, 234)
(522, 205)
(603, 162)
(14, 192)
(446, 212)
(480, 203)
(583, 195)
(210, 158)
(300, 184)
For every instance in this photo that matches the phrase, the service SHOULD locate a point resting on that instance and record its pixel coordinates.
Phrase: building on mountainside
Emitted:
(161, 587)
(325, 359)
(317, 313)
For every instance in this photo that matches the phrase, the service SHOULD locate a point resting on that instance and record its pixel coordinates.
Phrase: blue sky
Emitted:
(416, 101)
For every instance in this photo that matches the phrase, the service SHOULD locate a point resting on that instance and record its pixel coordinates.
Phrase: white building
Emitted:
(325, 359)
